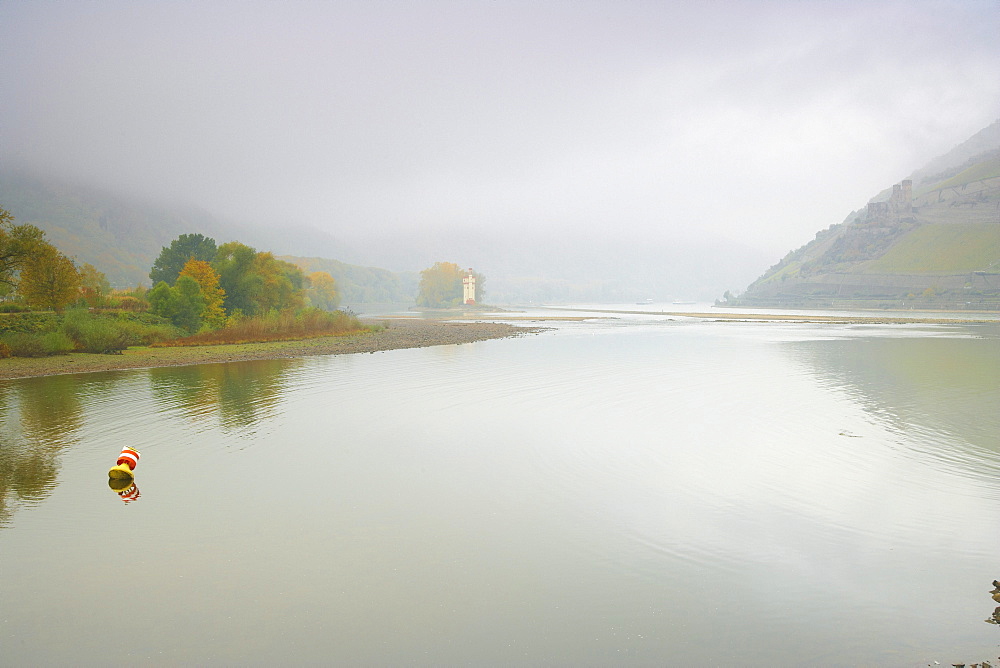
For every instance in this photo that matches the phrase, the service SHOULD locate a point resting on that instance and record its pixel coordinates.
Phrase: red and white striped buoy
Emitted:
(129, 495)
(129, 456)
(125, 488)
(127, 461)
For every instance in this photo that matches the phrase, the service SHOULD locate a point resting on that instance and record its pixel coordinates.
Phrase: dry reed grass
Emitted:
(311, 323)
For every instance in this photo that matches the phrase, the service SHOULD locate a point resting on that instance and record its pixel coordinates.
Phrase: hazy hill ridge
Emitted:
(362, 285)
(122, 236)
(932, 240)
(119, 236)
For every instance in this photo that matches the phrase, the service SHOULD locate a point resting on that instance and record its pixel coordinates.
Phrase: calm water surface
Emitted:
(639, 490)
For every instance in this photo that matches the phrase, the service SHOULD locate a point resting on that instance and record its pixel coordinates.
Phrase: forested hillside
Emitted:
(362, 285)
(118, 236)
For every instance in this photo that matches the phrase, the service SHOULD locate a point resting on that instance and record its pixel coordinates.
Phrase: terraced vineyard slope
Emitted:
(931, 241)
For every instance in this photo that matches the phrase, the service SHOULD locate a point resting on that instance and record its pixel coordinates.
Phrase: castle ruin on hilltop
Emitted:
(899, 205)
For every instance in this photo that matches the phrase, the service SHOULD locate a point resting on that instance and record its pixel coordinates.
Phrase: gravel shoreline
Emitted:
(399, 333)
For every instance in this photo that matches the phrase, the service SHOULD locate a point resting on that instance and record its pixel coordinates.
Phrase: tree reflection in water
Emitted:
(39, 419)
(995, 617)
(938, 383)
(242, 394)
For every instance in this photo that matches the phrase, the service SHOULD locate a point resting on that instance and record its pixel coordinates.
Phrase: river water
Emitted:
(635, 489)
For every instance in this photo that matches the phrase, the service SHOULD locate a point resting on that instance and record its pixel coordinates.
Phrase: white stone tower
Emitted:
(469, 288)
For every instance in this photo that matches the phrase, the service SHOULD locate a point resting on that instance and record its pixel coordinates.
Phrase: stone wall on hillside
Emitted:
(977, 202)
(961, 290)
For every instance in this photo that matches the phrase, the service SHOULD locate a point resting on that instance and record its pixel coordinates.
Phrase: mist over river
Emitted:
(628, 489)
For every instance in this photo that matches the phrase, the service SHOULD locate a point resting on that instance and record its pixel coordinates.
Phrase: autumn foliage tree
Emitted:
(16, 245)
(49, 279)
(213, 315)
(94, 285)
(280, 284)
(440, 285)
(322, 291)
(238, 283)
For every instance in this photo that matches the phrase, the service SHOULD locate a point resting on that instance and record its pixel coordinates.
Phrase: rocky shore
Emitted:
(398, 333)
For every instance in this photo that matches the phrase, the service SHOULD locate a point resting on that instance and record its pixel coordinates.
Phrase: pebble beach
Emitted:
(398, 333)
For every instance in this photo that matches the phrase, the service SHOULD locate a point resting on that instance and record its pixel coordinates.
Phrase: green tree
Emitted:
(182, 304)
(159, 297)
(256, 283)
(172, 259)
(440, 285)
(49, 278)
(234, 263)
(190, 305)
(16, 245)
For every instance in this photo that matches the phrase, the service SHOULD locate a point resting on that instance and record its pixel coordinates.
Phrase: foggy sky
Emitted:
(754, 122)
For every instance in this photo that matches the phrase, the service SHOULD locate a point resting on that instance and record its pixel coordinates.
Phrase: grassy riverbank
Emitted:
(398, 333)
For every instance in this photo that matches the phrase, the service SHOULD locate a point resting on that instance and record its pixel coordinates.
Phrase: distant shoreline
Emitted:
(802, 317)
(400, 333)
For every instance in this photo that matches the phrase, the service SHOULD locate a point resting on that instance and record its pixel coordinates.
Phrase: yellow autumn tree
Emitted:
(49, 279)
(322, 291)
(441, 285)
(93, 285)
(279, 285)
(17, 244)
(202, 272)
